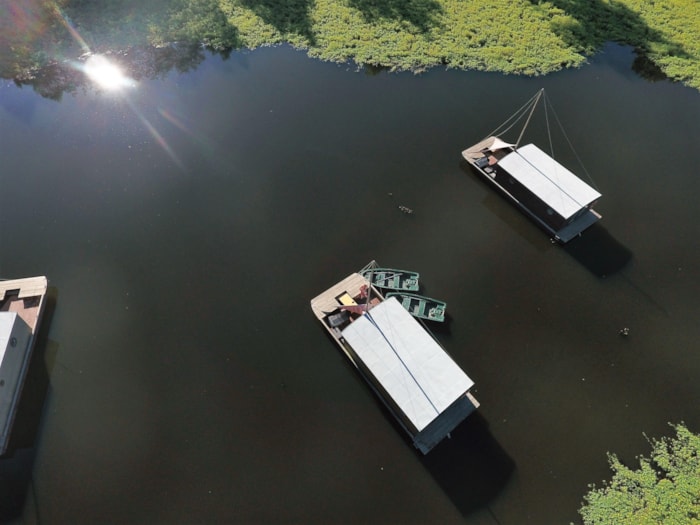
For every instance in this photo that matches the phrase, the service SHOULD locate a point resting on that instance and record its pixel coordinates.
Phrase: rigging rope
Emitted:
(568, 141)
(520, 113)
(529, 108)
(532, 110)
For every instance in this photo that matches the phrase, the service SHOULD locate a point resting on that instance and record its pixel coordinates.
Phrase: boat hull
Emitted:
(22, 304)
(485, 164)
(392, 279)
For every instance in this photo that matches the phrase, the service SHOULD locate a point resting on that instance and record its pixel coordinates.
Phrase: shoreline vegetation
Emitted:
(40, 39)
(664, 489)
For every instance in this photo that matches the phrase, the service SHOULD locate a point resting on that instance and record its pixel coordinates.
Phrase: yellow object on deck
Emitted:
(346, 300)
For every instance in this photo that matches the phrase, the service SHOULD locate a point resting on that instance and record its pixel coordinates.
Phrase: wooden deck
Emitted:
(327, 301)
(24, 296)
(477, 150)
(482, 149)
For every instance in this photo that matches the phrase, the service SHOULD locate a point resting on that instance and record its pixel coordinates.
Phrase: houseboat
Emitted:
(559, 201)
(22, 303)
(419, 383)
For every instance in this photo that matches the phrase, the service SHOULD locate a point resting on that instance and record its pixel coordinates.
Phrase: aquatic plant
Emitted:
(664, 489)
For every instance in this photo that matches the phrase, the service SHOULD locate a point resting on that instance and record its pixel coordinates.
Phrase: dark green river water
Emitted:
(185, 223)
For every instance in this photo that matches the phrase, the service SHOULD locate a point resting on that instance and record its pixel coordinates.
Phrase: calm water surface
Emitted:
(185, 225)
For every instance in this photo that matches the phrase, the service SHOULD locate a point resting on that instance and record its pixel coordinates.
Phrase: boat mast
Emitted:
(369, 288)
(532, 110)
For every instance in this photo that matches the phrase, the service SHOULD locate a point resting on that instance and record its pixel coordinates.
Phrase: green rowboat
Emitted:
(392, 279)
(421, 306)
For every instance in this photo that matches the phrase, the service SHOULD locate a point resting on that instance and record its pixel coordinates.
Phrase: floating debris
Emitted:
(624, 332)
(405, 209)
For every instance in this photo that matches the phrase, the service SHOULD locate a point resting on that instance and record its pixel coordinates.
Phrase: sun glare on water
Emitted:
(106, 74)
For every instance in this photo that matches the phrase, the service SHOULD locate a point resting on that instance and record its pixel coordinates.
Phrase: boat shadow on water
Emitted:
(499, 206)
(17, 463)
(595, 249)
(599, 252)
(442, 328)
(470, 466)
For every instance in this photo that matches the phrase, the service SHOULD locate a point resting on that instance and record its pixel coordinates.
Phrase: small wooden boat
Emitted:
(418, 382)
(22, 303)
(421, 306)
(391, 278)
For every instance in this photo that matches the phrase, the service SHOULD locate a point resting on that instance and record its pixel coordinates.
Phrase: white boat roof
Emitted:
(420, 377)
(7, 322)
(555, 185)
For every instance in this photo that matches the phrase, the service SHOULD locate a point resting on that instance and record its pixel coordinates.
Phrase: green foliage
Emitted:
(512, 36)
(530, 37)
(113, 24)
(201, 21)
(664, 490)
(27, 34)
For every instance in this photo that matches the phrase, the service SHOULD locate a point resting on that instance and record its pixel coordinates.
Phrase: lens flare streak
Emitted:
(69, 27)
(159, 138)
(176, 121)
(110, 77)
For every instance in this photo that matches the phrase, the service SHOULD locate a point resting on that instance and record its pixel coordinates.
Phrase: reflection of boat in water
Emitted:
(421, 306)
(22, 303)
(420, 384)
(549, 193)
(391, 278)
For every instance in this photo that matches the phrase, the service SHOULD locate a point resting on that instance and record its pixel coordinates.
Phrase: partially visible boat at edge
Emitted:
(391, 278)
(22, 303)
(559, 201)
(421, 306)
(411, 373)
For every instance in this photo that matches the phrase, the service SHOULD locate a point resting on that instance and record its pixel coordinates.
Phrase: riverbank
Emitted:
(524, 38)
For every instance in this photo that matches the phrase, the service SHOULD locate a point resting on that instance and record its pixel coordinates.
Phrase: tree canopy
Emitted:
(665, 489)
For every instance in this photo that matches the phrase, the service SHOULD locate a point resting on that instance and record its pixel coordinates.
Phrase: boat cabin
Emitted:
(15, 336)
(419, 381)
(562, 196)
(21, 307)
(548, 191)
